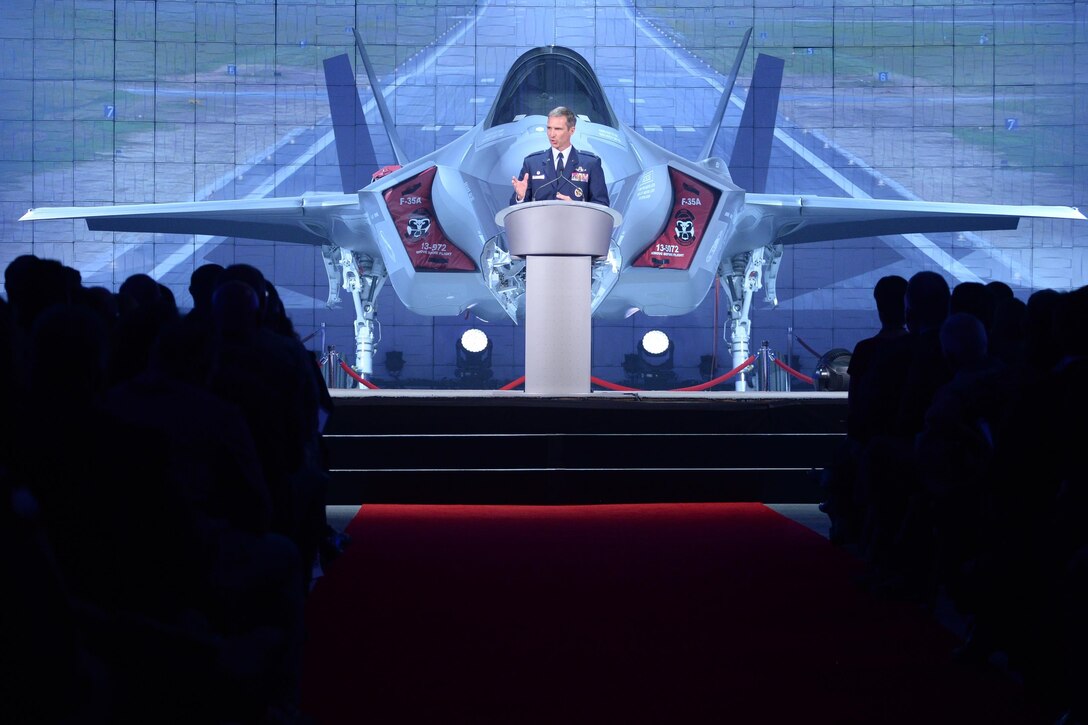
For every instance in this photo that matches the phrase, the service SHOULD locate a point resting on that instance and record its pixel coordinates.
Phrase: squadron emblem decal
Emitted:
(410, 205)
(693, 202)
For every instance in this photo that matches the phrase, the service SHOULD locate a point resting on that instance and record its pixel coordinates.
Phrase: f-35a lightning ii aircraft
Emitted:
(428, 225)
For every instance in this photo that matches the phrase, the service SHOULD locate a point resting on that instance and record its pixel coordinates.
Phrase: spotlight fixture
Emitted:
(651, 365)
(473, 355)
(656, 343)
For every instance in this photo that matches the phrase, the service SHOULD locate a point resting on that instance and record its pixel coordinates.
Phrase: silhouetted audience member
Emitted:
(171, 594)
(202, 284)
(255, 584)
(47, 673)
(1074, 595)
(1001, 291)
(33, 284)
(1008, 331)
(954, 451)
(9, 383)
(1040, 518)
(887, 469)
(121, 531)
(976, 299)
(144, 309)
(273, 379)
(1043, 349)
(927, 301)
(163, 550)
(872, 399)
(192, 360)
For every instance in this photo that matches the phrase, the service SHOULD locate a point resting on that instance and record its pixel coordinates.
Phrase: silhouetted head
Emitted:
(1071, 322)
(103, 302)
(974, 298)
(1040, 347)
(926, 301)
(1000, 290)
(251, 276)
(167, 301)
(235, 309)
(34, 284)
(963, 340)
(888, 294)
(138, 291)
(202, 284)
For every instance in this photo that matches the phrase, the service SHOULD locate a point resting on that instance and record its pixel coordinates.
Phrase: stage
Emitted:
(505, 446)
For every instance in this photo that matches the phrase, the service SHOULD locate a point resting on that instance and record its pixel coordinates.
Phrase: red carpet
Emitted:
(641, 613)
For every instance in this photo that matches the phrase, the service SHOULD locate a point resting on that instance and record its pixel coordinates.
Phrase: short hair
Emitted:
(563, 111)
(890, 305)
(927, 300)
(975, 298)
(202, 283)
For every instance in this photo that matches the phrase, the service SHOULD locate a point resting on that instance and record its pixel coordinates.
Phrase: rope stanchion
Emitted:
(357, 377)
(800, 376)
(720, 379)
(513, 383)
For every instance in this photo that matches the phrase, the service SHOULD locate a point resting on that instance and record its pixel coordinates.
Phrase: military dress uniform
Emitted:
(582, 180)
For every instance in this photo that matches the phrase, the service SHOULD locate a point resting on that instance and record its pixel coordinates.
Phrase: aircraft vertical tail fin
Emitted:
(750, 162)
(354, 147)
(719, 113)
(379, 99)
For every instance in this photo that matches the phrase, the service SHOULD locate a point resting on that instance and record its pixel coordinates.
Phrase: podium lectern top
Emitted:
(558, 228)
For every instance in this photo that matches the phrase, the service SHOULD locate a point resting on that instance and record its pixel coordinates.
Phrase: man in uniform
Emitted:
(561, 172)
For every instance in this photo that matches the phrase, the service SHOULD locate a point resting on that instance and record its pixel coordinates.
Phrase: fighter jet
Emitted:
(428, 226)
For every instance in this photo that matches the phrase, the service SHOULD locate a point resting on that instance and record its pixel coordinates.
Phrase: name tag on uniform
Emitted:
(538, 175)
(579, 177)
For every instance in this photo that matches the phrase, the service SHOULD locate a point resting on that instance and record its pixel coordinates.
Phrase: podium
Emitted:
(558, 240)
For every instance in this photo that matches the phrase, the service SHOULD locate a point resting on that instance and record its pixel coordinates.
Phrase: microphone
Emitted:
(545, 185)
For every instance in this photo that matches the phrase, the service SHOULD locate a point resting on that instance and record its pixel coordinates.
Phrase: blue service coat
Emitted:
(583, 178)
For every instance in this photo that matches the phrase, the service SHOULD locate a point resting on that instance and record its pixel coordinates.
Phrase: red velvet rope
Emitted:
(721, 378)
(357, 377)
(513, 383)
(611, 386)
(604, 383)
(791, 371)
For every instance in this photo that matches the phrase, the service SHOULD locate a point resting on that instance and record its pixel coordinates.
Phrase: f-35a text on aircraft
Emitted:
(428, 225)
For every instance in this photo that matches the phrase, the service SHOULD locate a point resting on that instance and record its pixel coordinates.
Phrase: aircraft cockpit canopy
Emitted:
(551, 76)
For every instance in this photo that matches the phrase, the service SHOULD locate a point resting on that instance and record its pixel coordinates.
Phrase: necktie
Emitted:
(559, 166)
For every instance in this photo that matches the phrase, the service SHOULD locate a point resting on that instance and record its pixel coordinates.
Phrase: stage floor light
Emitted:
(651, 365)
(655, 342)
(474, 340)
(473, 355)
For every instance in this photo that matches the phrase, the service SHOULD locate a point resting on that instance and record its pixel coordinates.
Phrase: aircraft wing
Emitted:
(301, 219)
(797, 219)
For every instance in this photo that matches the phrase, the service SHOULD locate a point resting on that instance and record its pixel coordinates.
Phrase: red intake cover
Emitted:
(410, 205)
(692, 204)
